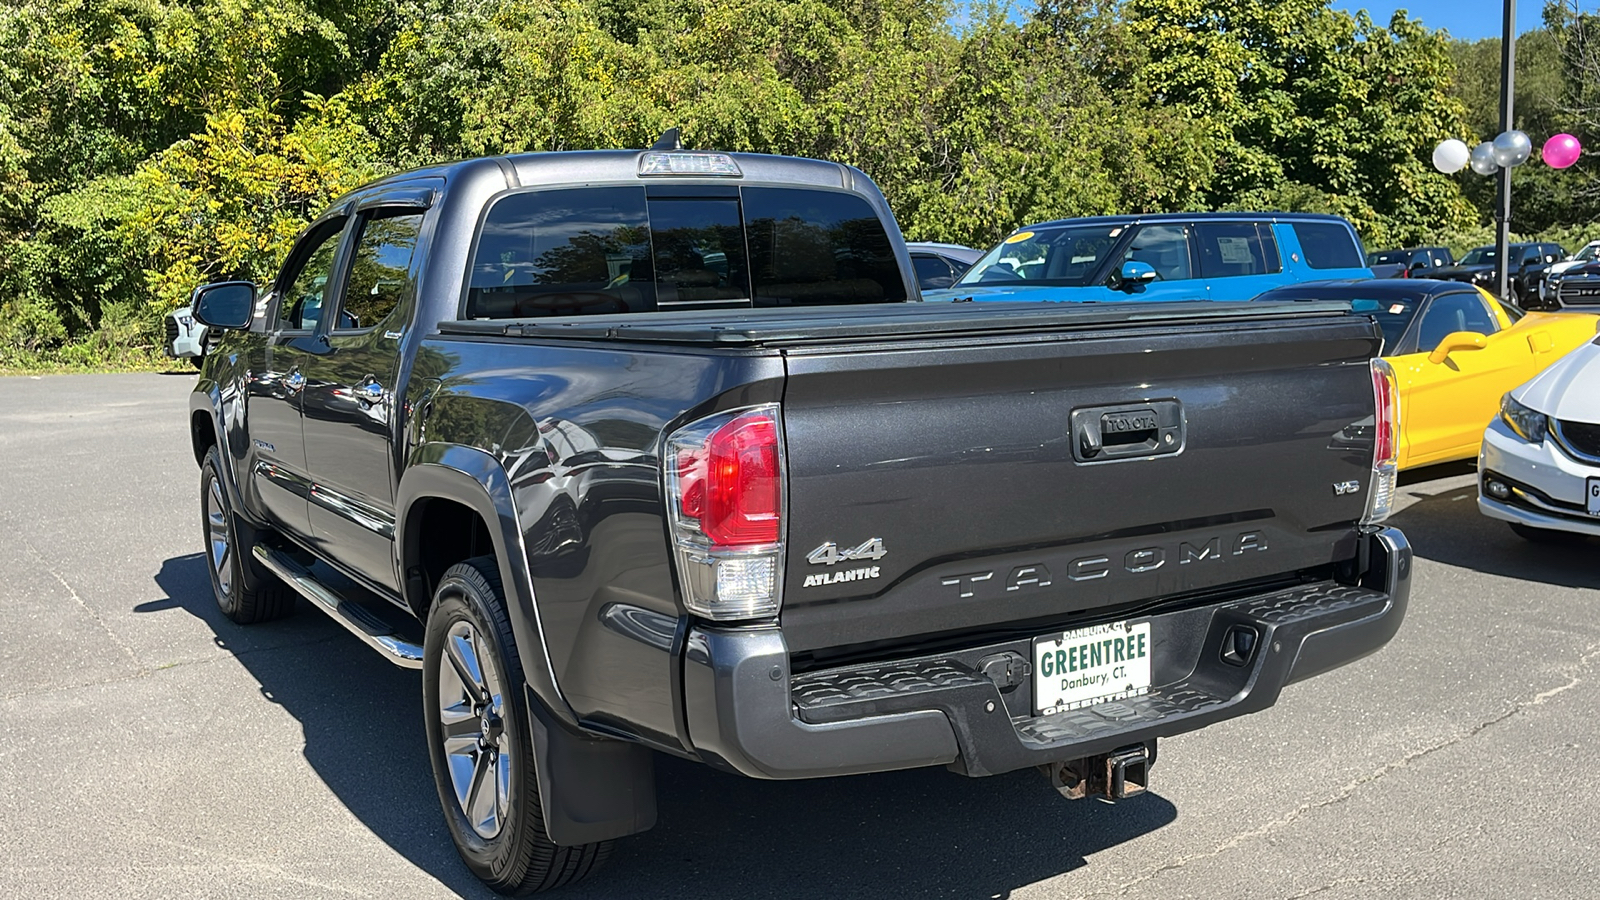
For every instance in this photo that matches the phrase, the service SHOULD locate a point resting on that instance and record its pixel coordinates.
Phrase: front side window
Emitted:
(1232, 248)
(380, 271)
(306, 285)
(1327, 245)
(1451, 313)
(1061, 256)
(1165, 248)
(812, 248)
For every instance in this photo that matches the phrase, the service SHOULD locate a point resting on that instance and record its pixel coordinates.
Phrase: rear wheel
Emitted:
(244, 591)
(480, 743)
(1545, 535)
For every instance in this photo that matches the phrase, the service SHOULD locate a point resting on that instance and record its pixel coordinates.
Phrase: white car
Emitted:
(1539, 468)
(186, 336)
(1552, 275)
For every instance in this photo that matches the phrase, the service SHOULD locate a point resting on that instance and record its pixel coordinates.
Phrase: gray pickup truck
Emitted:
(656, 452)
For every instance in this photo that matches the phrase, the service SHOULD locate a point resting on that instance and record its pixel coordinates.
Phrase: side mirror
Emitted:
(1135, 272)
(1457, 340)
(225, 304)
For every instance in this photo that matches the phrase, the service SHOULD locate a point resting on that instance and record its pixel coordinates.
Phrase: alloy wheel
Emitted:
(477, 747)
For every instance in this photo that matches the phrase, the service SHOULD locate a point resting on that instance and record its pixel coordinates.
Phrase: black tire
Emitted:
(246, 592)
(1546, 535)
(517, 858)
(199, 362)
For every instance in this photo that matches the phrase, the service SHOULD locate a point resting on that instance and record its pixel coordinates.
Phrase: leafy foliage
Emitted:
(149, 145)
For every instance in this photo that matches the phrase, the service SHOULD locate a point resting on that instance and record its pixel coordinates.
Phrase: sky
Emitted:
(1467, 19)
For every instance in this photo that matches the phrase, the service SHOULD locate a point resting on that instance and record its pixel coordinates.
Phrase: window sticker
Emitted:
(1235, 250)
(1397, 309)
(1019, 237)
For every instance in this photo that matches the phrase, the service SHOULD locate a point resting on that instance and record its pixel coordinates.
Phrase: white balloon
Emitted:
(1483, 159)
(1450, 156)
(1512, 148)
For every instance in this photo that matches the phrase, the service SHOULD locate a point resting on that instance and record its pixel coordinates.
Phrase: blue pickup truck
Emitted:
(1170, 256)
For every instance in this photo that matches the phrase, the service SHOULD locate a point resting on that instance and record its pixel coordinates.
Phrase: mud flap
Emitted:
(591, 789)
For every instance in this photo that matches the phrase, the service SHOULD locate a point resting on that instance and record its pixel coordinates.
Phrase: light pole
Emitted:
(1508, 67)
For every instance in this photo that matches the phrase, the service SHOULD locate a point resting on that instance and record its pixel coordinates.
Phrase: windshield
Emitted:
(1588, 253)
(1065, 256)
(1479, 256)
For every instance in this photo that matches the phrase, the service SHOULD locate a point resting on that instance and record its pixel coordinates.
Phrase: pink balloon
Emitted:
(1561, 150)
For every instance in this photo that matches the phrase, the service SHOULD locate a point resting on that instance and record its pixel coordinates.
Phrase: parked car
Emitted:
(1553, 273)
(186, 337)
(939, 265)
(1177, 256)
(1412, 262)
(614, 494)
(1575, 288)
(1540, 465)
(1455, 350)
(1528, 264)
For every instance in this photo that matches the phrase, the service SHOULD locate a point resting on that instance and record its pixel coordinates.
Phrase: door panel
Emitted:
(349, 409)
(1445, 406)
(275, 389)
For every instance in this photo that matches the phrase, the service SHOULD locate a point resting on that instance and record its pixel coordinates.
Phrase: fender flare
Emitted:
(590, 788)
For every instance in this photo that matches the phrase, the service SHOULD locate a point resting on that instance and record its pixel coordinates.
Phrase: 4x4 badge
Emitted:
(829, 553)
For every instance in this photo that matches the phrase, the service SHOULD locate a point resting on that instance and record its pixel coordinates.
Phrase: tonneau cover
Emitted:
(792, 325)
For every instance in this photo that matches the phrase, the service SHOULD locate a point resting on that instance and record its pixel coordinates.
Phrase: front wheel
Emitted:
(244, 591)
(480, 742)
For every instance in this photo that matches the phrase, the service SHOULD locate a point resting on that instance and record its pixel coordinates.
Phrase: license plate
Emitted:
(1092, 665)
(1594, 496)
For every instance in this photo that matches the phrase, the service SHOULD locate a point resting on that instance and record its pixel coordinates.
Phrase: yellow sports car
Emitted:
(1455, 352)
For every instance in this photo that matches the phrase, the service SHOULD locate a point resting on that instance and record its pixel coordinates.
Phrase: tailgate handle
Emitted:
(1127, 431)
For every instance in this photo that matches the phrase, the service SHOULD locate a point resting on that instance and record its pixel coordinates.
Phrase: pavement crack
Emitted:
(87, 609)
(163, 668)
(1575, 675)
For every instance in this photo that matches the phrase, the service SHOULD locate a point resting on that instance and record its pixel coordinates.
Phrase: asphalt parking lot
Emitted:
(150, 748)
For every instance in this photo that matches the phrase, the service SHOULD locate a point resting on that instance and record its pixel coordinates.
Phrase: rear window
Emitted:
(587, 251)
(1328, 245)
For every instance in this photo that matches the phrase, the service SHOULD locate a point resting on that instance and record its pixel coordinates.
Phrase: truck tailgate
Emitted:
(938, 487)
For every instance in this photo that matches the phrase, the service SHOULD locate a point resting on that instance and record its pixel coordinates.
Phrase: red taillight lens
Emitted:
(734, 485)
(1386, 424)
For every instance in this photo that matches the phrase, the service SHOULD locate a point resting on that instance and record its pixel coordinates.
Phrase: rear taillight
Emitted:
(725, 487)
(1385, 443)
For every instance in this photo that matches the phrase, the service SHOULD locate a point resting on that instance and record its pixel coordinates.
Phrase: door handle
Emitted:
(370, 391)
(295, 381)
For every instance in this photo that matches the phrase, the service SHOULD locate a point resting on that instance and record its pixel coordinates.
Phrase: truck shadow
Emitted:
(1445, 526)
(919, 833)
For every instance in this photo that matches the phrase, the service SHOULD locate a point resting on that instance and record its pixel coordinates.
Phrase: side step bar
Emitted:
(363, 624)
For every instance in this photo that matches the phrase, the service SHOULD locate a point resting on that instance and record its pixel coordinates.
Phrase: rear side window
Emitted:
(1327, 245)
(933, 273)
(1233, 248)
(817, 247)
(380, 272)
(563, 253)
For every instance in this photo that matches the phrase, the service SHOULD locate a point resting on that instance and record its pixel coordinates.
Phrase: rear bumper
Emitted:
(746, 713)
